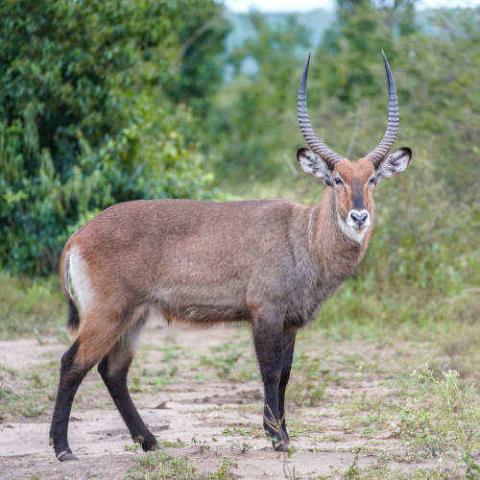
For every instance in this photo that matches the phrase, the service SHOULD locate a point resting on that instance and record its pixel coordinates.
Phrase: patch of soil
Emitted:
(237, 397)
(27, 352)
(210, 420)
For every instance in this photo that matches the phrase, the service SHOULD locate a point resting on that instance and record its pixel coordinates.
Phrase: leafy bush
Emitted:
(448, 423)
(90, 113)
(30, 308)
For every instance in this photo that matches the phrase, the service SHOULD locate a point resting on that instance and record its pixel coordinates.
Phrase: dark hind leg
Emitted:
(287, 358)
(98, 333)
(71, 375)
(114, 370)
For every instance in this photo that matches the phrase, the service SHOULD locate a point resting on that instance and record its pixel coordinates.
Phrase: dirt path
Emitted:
(194, 407)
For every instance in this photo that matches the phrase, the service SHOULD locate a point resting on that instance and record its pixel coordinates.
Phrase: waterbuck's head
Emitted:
(353, 182)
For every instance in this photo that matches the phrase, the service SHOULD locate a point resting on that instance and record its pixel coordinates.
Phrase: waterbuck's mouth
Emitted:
(353, 230)
(359, 228)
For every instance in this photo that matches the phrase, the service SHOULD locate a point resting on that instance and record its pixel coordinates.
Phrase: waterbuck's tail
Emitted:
(73, 316)
(73, 319)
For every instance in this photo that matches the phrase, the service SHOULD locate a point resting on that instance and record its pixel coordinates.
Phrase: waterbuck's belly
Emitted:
(205, 314)
(200, 304)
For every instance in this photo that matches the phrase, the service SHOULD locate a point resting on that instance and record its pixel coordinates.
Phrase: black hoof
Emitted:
(280, 444)
(66, 456)
(147, 442)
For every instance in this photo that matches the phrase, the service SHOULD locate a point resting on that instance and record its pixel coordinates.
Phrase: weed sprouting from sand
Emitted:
(160, 465)
(442, 415)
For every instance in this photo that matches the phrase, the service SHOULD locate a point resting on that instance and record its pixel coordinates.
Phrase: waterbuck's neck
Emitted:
(338, 253)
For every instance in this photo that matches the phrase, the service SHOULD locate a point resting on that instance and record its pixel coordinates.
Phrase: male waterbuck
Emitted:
(267, 262)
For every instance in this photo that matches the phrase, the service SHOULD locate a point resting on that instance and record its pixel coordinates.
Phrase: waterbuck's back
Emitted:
(198, 261)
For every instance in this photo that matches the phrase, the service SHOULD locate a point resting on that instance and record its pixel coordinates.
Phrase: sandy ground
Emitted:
(212, 420)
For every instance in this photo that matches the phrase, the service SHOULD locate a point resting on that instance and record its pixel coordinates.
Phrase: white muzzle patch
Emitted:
(351, 229)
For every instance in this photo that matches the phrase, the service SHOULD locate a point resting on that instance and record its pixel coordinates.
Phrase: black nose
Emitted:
(359, 217)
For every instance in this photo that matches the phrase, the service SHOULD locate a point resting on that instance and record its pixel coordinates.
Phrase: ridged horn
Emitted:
(315, 144)
(391, 132)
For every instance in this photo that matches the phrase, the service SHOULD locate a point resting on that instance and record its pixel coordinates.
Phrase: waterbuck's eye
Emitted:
(338, 181)
(372, 181)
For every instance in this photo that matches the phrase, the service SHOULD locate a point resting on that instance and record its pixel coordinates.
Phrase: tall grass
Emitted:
(30, 307)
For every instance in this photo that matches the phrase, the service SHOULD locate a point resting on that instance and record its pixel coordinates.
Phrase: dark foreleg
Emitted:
(268, 339)
(287, 357)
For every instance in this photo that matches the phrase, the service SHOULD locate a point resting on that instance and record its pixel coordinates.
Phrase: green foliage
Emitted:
(27, 307)
(309, 382)
(162, 466)
(231, 361)
(26, 394)
(448, 423)
(90, 113)
(253, 110)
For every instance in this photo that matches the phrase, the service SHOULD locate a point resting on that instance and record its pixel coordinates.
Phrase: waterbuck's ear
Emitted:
(395, 163)
(314, 165)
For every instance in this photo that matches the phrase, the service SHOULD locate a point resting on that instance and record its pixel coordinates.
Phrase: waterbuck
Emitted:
(267, 262)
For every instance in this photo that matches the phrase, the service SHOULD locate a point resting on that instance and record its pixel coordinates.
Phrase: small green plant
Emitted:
(135, 384)
(443, 415)
(381, 471)
(171, 351)
(131, 447)
(308, 381)
(232, 361)
(473, 468)
(160, 465)
(223, 472)
(243, 430)
(165, 376)
(174, 443)
(353, 471)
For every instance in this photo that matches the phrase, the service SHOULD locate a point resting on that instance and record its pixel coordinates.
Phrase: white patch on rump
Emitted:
(355, 235)
(79, 285)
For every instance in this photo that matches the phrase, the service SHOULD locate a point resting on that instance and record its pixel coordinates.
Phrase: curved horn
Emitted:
(391, 132)
(315, 144)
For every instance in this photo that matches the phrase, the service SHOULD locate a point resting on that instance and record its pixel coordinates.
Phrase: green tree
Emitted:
(256, 108)
(361, 30)
(92, 113)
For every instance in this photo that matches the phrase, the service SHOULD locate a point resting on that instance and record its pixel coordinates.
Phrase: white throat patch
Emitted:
(350, 232)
